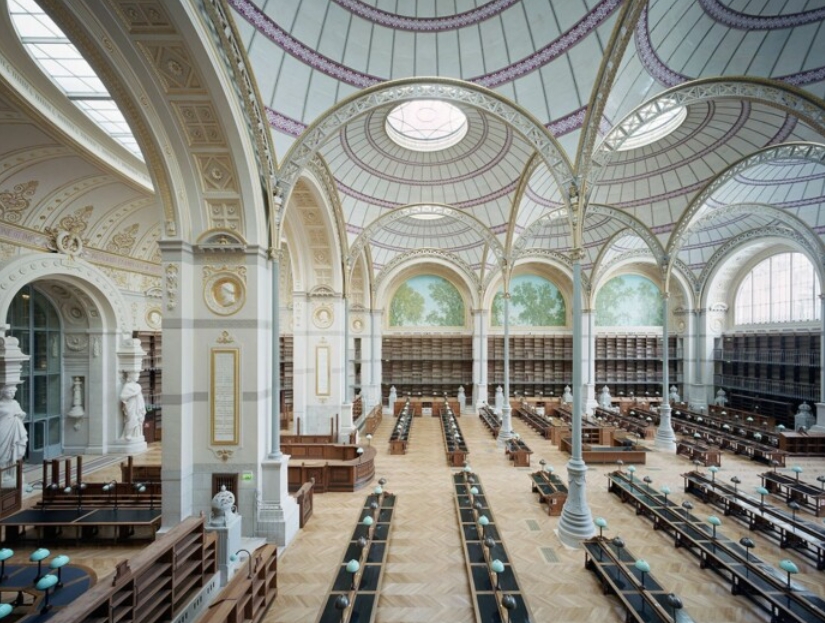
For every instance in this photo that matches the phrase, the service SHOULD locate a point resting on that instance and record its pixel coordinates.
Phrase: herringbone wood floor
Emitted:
(425, 578)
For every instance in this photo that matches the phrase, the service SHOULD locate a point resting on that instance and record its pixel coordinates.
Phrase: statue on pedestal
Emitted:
(462, 399)
(674, 396)
(134, 408)
(13, 436)
(804, 418)
(567, 396)
(605, 399)
(721, 398)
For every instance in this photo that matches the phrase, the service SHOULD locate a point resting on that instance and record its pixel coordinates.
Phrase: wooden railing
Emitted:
(156, 584)
(11, 493)
(250, 592)
(304, 499)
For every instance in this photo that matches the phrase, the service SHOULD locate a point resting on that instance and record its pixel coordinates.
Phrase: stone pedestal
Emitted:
(277, 513)
(391, 401)
(229, 542)
(499, 405)
(462, 400)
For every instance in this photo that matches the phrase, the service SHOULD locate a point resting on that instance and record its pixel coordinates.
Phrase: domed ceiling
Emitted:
(706, 61)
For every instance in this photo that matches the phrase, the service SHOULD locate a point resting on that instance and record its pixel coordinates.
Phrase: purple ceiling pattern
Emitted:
(426, 24)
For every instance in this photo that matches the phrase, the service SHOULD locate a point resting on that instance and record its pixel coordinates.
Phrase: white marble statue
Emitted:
(804, 418)
(605, 399)
(462, 399)
(674, 394)
(567, 396)
(13, 435)
(134, 408)
(721, 398)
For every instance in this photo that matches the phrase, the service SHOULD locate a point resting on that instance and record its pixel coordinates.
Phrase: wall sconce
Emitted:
(235, 557)
(111, 486)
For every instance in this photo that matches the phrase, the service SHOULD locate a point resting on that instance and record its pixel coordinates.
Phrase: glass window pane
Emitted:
(54, 394)
(40, 402)
(782, 288)
(39, 437)
(40, 352)
(54, 431)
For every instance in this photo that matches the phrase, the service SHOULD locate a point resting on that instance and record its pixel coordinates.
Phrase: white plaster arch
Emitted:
(92, 282)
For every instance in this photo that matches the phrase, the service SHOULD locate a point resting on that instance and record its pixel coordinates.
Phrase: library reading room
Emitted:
(402, 311)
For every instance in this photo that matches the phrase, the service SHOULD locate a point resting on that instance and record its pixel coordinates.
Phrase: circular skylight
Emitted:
(655, 128)
(426, 125)
(426, 216)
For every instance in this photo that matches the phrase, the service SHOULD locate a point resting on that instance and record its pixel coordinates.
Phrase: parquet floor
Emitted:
(425, 577)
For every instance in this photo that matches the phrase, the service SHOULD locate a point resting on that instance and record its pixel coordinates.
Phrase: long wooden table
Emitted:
(83, 523)
(806, 494)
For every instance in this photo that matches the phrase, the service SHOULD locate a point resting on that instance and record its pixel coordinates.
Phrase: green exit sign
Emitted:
(247, 477)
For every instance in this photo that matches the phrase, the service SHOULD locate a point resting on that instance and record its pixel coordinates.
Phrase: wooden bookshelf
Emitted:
(632, 363)
(768, 373)
(427, 365)
(539, 365)
(151, 380)
(287, 386)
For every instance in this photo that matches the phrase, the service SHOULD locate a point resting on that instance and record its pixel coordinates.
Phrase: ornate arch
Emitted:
(484, 233)
(403, 258)
(390, 92)
(89, 280)
(790, 151)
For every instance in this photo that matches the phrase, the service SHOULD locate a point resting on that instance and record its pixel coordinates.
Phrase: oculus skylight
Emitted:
(659, 125)
(61, 61)
(426, 125)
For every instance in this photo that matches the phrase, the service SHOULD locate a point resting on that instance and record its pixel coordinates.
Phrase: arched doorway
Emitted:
(34, 321)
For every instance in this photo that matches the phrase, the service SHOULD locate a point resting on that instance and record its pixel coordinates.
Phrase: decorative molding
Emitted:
(76, 342)
(223, 454)
(323, 316)
(16, 201)
(225, 338)
(171, 272)
(224, 289)
(123, 242)
(221, 241)
(154, 318)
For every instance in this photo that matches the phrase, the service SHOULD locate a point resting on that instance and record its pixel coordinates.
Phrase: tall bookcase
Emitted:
(539, 365)
(771, 373)
(287, 391)
(632, 363)
(151, 380)
(427, 365)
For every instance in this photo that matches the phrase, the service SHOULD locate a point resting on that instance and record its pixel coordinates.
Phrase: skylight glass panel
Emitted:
(655, 128)
(426, 125)
(61, 61)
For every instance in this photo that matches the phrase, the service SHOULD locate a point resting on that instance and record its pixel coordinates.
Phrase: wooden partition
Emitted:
(153, 585)
(335, 467)
(247, 596)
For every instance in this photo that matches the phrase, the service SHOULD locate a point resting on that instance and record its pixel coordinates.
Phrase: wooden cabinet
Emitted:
(631, 364)
(539, 365)
(427, 365)
(768, 373)
(287, 391)
(151, 380)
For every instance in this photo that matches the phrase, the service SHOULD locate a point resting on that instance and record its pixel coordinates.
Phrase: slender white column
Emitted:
(576, 522)
(506, 430)
(480, 357)
(665, 438)
(589, 362)
(275, 433)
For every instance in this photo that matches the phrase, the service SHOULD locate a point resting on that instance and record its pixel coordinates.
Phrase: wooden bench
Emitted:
(643, 597)
(551, 491)
(706, 455)
(304, 499)
(792, 489)
(748, 575)
(400, 435)
(518, 452)
(454, 442)
(363, 588)
(539, 423)
(487, 589)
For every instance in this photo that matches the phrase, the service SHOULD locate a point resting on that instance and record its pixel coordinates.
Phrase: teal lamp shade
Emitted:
(713, 469)
(497, 566)
(600, 522)
(59, 561)
(5, 610)
(631, 469)
(549, 469)
(378, 491)
(483, 521)
(697, 436)
(233, 557)
(725, 426)
(467, 468)
(367, 521)
(642, 565)
(369, 436)
(713, 520)
(6, 553)
(474, 490)
(749, 419)
(39, 554)
(353, 566)
(359, 451)
(788, 566)
(46, 582)
(796, 469)
(780, 428)
(665, 490)
(762, 491)
(757, 436)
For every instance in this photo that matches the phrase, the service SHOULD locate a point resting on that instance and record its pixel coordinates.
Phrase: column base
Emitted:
(506, 430)
(665, 437)
(590, 402)
(576, 521)
(277, 514)
(128, 446)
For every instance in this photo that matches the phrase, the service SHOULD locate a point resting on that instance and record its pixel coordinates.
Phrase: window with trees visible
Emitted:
(427, 301)
(534, 302)
(782, 288)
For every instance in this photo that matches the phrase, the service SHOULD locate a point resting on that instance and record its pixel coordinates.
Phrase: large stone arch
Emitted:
(197, 137)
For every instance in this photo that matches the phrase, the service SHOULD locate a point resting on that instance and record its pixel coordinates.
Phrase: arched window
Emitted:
(782, 288)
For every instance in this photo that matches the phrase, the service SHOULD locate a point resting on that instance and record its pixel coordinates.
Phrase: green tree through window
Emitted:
(629, 301)
(407, 307)
(534, 302)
